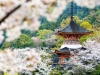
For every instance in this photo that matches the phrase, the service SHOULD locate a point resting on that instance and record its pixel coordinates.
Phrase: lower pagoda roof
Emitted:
(65, 50)
(71, 46)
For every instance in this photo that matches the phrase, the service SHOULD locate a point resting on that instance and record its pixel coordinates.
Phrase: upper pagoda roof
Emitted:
(72, 27)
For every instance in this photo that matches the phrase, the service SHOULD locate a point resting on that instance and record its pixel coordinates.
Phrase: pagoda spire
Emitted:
(71, 11)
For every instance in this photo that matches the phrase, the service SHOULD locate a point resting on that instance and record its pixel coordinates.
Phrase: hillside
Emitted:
(90, 15)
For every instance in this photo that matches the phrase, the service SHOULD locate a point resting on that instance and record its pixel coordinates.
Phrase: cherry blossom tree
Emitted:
(86, 59)
(17, 60)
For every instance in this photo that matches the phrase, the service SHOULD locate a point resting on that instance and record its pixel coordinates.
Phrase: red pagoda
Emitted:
(71, 32)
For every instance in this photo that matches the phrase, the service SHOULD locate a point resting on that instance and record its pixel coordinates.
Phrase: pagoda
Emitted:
(71, 32)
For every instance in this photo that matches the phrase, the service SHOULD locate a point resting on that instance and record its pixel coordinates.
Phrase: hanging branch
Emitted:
(9, 13)
(12, 11)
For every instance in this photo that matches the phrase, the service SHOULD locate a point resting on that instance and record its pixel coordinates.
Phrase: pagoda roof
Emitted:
(62, 50)
(72, 27)
(71, 46)
(65, 49)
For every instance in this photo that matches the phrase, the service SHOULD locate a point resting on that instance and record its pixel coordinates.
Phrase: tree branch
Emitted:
(12, 11)
(9, 13)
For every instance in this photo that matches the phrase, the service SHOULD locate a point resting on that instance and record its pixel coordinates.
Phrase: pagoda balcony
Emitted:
(71, 42)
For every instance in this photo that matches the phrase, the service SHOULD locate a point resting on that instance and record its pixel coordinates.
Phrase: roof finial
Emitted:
(72, 10)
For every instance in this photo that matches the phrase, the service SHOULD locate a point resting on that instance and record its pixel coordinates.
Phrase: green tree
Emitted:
(93, 17)
(29, 32)
(6, 45)
(44, 34)
(96, 34)
(58, 42)
(55, 72)
(86, 25)
(43, 44)
(65, 22)
(84, 38)
(23, 41)
(96, 71)
(77, 20)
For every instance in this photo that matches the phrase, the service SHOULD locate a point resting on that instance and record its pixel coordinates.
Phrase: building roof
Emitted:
(72, 27)
(61, 50)
(71, 46)
(65, 49)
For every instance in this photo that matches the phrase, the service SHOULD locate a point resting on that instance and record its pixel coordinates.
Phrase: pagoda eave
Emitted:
(71, 33)
(58, 52)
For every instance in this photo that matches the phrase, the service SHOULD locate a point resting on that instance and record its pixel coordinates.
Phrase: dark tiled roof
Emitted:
(73, 27)
(65, 49)
(83, 48)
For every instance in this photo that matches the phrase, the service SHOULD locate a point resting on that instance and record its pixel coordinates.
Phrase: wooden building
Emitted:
(71, 32)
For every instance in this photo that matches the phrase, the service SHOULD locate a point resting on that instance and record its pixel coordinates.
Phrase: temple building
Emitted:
(71, 32)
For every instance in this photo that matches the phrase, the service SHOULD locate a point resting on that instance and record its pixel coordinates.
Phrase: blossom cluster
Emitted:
(17, 60)
(44, 67)
(88, 3)
(88, 58)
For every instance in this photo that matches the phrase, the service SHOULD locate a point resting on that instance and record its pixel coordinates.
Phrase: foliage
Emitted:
(8, 74)
(86, 25)
(58, 42)
(83, 24)
(48, 25)
(65, 22)
(95, 34)
(96, 71)
(22, 42)
(44, 34)
(29, 32)
(77, 20)
(43, 44)
(58, 70)
(84, 38)
(55, 72)
(93, 17)
(80, 14)
(6, 45)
